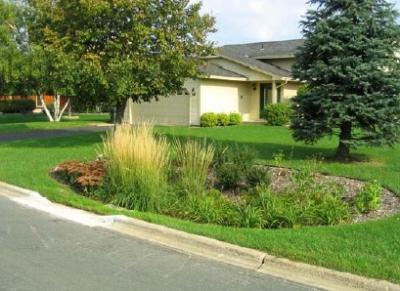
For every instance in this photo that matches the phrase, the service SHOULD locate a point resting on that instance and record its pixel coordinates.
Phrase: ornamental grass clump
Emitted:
(193, 160)
(136, 164)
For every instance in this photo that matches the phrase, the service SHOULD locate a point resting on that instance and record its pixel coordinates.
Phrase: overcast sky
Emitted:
(241, 21)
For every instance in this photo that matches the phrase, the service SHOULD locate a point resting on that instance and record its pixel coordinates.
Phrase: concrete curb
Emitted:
(318, 277)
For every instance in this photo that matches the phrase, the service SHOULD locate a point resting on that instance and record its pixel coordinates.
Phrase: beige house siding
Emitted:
(194, 88)
(290, 91)
(255, 103)
(227, 96)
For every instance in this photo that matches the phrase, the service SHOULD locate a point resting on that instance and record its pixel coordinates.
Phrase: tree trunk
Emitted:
(121, 106)
(46, 110)
(60, 113)
(343, 150)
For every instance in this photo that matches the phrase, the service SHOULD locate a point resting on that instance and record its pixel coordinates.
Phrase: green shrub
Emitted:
(222, 119)
(250, 216)
(294, 208)
(232, 165)
(229, 176)
(235, 119)
(369, 198)
(17, 106)
(258, 176)
(277, 114)
(210, 208)
(208, 120)
(192, 161)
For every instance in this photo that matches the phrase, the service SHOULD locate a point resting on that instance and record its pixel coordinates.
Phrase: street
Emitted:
(40, 252)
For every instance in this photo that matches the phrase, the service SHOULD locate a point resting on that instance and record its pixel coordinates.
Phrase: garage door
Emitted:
(168, 110)
(219, 97)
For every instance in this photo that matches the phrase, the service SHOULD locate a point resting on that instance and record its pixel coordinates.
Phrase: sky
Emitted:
(241, 21)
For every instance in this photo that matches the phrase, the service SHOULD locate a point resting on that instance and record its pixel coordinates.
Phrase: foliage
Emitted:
(258, 176)
(349, 62)
(17, 106)
(277, 114)
(211, 119)
(296, 207)
(235, 118)
(374, 243)
(209, 208)
(12, 42)
(87, 177)
(192, 160)
(144, 48)
(136, 163)
(369, 198)
(208, 120)
(232, 164)
(222, 119)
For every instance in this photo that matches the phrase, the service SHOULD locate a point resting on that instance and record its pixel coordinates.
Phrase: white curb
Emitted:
(198, 245)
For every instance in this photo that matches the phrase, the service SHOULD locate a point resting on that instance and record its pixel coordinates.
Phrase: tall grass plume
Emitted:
(137, 164)
(193, 160)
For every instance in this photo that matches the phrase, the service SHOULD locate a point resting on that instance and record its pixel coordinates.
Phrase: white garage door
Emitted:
(219, 97)
(168, 110)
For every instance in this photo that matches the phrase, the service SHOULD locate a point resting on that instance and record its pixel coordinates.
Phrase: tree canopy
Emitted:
(142, 49)
(350, 64)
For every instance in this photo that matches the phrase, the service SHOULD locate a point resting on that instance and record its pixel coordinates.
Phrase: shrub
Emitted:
(210, 208)
(258, 176)
(369, 198)
(232, 164)
(87, 177)
(192, 160)
(277, 114)
(136, 166)
(17, 106)
(235, 119)
(316, 206)
(208, 120)
(229, 176)
(222, 119)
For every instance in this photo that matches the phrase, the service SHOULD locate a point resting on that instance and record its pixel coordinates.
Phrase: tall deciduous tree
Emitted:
(12, 41)
(350, 63)
(145, 48)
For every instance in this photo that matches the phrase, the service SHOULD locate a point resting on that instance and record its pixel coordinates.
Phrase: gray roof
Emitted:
(234, 55)
(265, 50)
(211, 69)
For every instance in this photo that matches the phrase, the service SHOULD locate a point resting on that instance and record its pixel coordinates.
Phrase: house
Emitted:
(239, 78)
(48, 99)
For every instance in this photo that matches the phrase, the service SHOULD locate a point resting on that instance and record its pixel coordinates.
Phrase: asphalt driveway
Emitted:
(40, 252)
(37, 134)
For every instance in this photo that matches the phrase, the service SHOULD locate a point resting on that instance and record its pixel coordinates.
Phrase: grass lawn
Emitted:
(370, 249)
(27, 122)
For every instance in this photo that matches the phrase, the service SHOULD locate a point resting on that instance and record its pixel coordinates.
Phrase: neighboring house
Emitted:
(238, 78)
(48, 99)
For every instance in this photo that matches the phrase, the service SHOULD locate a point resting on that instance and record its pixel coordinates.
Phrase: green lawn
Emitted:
(27, 122)
(370, 249)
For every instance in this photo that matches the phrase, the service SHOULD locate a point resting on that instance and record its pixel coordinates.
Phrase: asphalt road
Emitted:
(40, 252)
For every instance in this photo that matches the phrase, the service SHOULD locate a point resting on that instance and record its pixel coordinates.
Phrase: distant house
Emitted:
(48, 99)
(239, 78)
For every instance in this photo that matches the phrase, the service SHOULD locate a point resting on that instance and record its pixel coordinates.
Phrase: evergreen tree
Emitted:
(350, 63)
